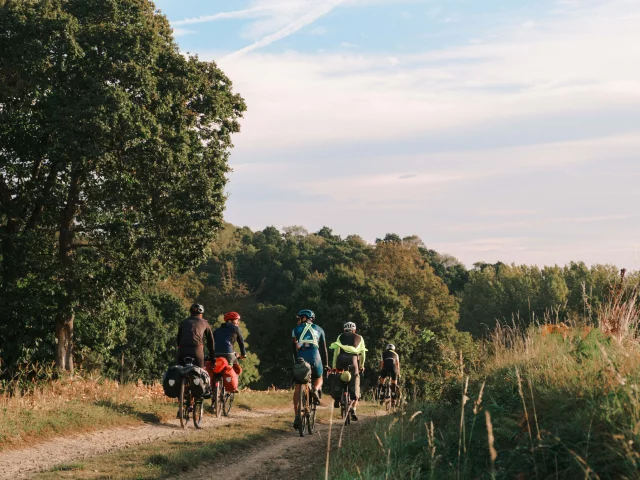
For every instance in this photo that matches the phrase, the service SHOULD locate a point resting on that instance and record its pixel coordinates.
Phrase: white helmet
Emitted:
(390, 346)
(350, 326)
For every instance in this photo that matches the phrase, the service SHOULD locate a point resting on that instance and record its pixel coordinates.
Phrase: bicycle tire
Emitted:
(184, 406)
(311, 417)
(302, 407)
(227, 404)
(198, 411)
(217, 409)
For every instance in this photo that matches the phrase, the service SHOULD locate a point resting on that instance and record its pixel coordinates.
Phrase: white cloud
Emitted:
(181, 32)
(575, 64)
(308, 18)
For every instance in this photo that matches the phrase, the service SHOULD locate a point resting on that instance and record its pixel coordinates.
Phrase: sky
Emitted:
(495, 131)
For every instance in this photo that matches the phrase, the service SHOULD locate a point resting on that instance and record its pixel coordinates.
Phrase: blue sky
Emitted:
(493, 130)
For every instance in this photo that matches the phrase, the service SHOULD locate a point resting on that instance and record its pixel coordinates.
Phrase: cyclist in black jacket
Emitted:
(193, 333)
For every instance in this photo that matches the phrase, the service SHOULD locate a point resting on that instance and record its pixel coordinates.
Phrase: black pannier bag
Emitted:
(301, 371)
(335, 384)
(200, 383)
(171, 381)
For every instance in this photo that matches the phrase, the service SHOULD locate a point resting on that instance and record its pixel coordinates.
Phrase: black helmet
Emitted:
(196, 308)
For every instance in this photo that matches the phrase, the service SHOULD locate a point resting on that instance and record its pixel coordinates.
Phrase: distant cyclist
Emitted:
(389, 367)
(193, 333)
(226, 336)
(349, 351)
(309, 343)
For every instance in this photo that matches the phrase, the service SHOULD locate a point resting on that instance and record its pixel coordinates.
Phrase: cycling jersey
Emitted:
(225, 338)
(309, 343)
(193, 333)
(389, 365)
(349, 350)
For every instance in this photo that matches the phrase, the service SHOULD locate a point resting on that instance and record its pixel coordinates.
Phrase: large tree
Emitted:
(113, 155)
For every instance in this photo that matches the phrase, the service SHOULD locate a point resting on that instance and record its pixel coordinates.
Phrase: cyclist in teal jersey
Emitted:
(309, 343)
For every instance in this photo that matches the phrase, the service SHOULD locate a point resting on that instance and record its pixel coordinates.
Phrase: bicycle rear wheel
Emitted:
(302, 409)
(311, 420)
(198, 410)
(228, 402)
(218, 398)
(185, 398)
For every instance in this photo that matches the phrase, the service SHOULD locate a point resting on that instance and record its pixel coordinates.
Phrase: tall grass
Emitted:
(557, 402)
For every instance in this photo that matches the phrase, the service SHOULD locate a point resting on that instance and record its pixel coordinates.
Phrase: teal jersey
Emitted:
(308, 335)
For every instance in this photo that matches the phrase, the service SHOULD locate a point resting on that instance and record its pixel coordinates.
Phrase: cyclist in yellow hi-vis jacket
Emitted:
(349, 351)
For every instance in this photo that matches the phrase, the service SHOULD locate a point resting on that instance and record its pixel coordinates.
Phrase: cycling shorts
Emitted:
(312, 357)
(390, 372)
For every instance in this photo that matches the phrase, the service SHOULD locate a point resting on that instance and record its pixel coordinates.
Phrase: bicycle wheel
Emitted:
(218, 398)
(198, 410)
(311, 420)
(343, 405)
(184, 405)
(228, 402)
(302, 409)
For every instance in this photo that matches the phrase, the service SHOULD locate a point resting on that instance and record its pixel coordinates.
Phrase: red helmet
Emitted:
(229, 316)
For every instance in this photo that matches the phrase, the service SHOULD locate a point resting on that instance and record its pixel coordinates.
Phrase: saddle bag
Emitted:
(301, 371)
(171, 381)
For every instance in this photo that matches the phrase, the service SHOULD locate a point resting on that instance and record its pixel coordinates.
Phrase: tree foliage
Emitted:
(113, 158)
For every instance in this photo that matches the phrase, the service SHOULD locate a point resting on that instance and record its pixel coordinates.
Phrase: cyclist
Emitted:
(193, 333)
(310, 344)
(350, 352)
(226, 336)
(389, 367)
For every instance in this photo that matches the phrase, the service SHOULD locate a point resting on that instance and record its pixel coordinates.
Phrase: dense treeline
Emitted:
(396, 290)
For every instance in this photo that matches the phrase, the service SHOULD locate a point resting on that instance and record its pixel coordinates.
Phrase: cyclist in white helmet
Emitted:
(390, 367)
(350, 354)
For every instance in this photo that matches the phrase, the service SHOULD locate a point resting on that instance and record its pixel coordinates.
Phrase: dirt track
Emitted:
(285, 456)
(25, 462)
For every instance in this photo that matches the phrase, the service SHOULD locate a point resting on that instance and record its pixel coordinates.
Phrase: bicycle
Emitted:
(387, 398)
(221, 400)
(306, 410)
(188, 403)
(346, 402)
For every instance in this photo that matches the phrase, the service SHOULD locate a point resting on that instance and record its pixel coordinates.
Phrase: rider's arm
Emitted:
(295, 348)
(364, 354)
(208, 335)
(323, 348)
(398, 364)
(336, 352)
(243, 351)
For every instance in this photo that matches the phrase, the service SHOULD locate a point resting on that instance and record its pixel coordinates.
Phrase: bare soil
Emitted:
(23, 463)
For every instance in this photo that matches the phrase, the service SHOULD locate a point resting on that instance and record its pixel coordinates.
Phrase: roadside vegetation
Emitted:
(546, 401)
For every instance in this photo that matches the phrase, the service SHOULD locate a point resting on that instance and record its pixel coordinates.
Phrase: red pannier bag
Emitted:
(229, 374)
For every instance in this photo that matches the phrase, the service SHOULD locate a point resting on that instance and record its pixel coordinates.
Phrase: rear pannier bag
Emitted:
(301, 371)
(335, 385)
(171, 381)
(199, 382)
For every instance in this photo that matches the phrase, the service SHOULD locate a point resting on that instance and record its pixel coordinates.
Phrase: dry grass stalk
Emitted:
(620, 316)
(326, 466)
(490, 440)
(535, 413)
(462, 438)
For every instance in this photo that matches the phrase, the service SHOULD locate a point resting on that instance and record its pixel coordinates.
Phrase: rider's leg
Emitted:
(296, 396)
(296, 401)
(355, 388)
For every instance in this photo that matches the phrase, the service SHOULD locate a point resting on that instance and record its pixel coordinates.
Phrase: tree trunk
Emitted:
(64, 337)
(65, 315)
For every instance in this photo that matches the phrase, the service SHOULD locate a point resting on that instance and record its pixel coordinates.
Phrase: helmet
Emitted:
(196, 308)
(229, 316)
(350, 326)
(307, 313)
(390, 346)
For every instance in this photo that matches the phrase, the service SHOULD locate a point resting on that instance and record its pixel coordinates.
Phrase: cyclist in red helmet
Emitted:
(225, 338)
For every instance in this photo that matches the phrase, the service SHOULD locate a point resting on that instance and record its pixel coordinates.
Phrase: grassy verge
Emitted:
(173, 456)
(539, 406)
(78, 405)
